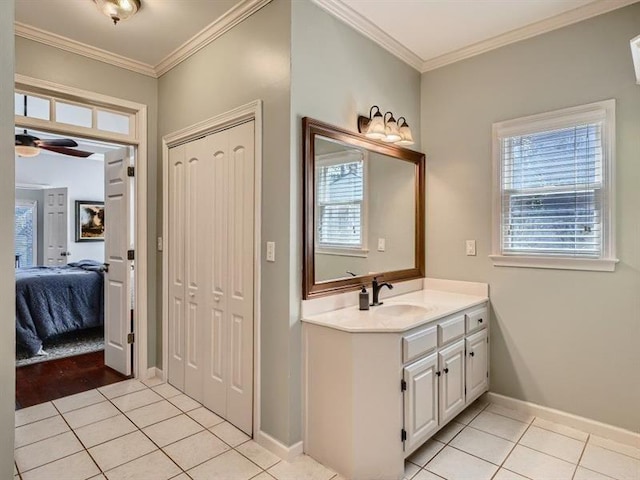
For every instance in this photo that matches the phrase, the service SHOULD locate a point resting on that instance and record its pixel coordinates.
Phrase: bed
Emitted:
(54, 300)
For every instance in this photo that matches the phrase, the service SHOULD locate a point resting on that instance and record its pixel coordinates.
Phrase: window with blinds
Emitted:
(340, 194)
(554, 195)
(25, 233)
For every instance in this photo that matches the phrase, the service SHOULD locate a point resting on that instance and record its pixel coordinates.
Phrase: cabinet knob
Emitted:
(216, 298)
(479, 320)
(446, 370)
(471, 354)
(438, 374)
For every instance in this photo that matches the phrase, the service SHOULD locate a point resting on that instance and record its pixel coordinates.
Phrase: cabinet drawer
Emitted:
(477, 319)
(419, 343)
(450, 330)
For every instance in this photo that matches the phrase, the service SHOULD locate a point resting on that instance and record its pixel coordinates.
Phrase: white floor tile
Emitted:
(585, 474)
(553, 444)
(79, 400)
(499, 425)
(35, 413)
(182, 476)
(504, 474)
(122, 388)
(229, 434)
(229, 465)
(470, 412)
(448, 432)
(453, 464)
(484, 445)
(426, 452)
(78, 466)
(121, 450)
(538, 466)
(410, 470)
(46, 451)
(615, 446)
(258, 455)
(302, 467)
(36, 431)
(105, 430)
(196, 449)
(138, 399)
(153, 413)
(172, 430)
(184, 402)
(155, 465)
(166, 390)
(99, 477)
(425, 475)
(153, 381)
(510, 413)
(561, 429)
(205, 417)
(608, 462)
(91, 414)
(266, 476)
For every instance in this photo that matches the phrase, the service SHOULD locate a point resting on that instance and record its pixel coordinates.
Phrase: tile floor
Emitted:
(151, 431)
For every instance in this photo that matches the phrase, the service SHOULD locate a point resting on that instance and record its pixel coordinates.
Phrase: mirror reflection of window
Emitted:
(25, 233)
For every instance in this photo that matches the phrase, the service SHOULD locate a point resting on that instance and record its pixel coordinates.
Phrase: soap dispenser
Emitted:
(364, 298)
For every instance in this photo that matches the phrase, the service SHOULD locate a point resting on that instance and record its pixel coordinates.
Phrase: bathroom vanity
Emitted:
(379, 383)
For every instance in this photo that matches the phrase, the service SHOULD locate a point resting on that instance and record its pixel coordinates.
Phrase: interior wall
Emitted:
(337, 74)
(563, 339)
(7, 210)
(41, 61)
(84, 180)
(247, 63)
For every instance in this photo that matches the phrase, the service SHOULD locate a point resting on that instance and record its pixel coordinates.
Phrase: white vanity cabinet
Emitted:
(371, 397)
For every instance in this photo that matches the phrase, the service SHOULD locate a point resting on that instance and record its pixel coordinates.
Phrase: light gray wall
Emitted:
(564, 339)
(35, 195)
(7, 284)
(336, 75)
(47, 63)
(250, 62)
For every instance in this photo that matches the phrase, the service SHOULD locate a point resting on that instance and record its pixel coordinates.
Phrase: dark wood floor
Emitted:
(47, 381)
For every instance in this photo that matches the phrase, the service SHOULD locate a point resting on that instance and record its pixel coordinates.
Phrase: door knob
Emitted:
(216, 298)
(191, 294)
(446, 370)
(471, 354)
(65, 254)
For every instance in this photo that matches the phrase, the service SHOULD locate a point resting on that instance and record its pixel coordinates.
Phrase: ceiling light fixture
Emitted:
(118, 10)
(380, 127)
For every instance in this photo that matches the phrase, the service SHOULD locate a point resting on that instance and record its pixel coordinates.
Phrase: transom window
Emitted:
(554, 203)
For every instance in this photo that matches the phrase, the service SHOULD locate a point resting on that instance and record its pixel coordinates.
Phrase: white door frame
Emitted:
(245, 113)
(138, 139)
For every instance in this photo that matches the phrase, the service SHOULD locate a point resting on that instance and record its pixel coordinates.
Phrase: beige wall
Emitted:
(40, 61)
(7, 285)
(564, 339)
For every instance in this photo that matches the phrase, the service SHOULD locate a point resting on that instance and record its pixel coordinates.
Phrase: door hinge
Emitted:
(403, 435)
(403, 385)
(131, 255)
(131, 171)
(131, 337)
(487, 374)
(465, 390)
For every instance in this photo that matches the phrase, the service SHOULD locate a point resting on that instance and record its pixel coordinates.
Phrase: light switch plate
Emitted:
(471, 247)
(271, 251)
(381, 244)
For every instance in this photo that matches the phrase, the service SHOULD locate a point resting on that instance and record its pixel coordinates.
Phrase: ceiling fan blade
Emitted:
(57, 142)
(67, 151)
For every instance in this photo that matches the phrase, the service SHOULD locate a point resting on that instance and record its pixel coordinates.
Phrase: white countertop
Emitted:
(434, 304)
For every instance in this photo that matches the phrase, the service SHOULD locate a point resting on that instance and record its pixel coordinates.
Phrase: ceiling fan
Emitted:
(29, 146)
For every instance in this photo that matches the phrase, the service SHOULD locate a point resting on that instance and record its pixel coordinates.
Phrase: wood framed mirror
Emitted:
(364, 211)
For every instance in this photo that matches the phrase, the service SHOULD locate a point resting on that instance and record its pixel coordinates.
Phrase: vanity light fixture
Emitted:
(118, 10)
(385, 128)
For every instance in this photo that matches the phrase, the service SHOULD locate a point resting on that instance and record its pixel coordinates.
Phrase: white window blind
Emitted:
(554, 203)
(340, 193)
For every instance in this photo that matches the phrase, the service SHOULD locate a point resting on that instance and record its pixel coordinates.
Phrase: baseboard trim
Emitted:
(276, 447)
(588, 425)
(154, 372)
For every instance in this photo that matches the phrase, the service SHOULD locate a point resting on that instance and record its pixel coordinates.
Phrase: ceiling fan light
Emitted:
(27, 151)
(118, 10)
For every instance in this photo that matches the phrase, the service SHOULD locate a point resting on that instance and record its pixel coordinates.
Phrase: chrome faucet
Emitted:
(376, 287)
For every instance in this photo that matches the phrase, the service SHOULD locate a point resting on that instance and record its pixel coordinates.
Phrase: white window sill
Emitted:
(343, 252)
(558, 263)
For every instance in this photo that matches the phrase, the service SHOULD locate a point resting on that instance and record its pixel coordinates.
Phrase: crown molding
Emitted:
(576, 15)
(204, 37)
(73, 46)
(356, 21)
(635, 52)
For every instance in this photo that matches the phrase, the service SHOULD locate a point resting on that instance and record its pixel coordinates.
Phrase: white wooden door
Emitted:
(117, 294)
(452, 394)
(421, 400)
(55, 226)
(477, 364)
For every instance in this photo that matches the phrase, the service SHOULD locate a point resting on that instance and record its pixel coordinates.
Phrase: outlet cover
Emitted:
(471, 247)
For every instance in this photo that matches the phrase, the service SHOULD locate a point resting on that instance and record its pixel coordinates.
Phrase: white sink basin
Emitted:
(401, 310)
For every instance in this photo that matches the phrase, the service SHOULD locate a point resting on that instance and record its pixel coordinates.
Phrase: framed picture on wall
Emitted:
(89, 221)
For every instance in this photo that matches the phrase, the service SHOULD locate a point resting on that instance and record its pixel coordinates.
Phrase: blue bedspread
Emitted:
(55, 300)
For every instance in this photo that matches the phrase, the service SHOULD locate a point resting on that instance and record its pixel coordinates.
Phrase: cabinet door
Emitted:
(477, 364)
(452, 394)
(420, 400)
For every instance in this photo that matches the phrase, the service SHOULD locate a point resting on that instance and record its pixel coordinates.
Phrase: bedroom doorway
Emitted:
(65, 122)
